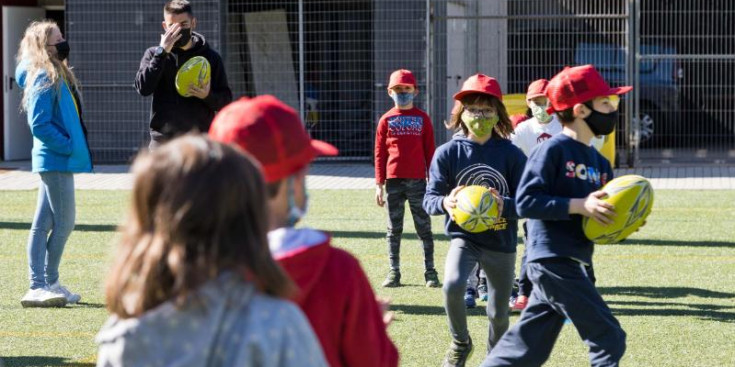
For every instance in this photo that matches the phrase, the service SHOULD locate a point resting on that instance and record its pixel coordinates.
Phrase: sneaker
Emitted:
(41, 297)
(432, 278)
(393, 279)
(60, 289)
(518, 304)
(482, 291)
(469, 298)
(458, 354)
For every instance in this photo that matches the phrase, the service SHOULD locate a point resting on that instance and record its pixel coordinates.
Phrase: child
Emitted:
(404, 145)
(532, 132)
(334, 292)
(560, 186)
(51, 100)
(479, 154)
(193, 283)
(541, 126)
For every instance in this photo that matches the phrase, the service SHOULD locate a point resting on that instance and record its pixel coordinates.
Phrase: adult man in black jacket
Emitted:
(172, 114)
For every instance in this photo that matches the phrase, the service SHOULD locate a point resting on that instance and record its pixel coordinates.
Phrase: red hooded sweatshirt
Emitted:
(336, 297)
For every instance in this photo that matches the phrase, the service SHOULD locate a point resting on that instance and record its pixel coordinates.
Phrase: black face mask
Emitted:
(62, 50)
(601, 123)
(185, 37)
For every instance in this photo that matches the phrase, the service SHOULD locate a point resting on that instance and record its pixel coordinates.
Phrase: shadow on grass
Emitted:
(663, 292)
(676, 243)
(381, 235)
(711, 312)
(433, 310)
(78, 227)
(676, 309)
(24, 361)
(90, 305)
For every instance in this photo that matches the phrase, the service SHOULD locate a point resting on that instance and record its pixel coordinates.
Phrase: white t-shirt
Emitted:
(531, 133)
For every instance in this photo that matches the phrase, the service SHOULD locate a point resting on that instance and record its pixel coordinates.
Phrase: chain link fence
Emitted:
(330, 60)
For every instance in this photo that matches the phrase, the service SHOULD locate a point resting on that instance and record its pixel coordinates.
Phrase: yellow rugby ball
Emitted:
(195, 71)
(476, 209)
(632, 196)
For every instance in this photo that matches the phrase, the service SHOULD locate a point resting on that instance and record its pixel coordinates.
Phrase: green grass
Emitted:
(671, 285)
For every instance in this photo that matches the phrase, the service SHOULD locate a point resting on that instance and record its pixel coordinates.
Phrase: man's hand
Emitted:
(200, 93)
(450, 201)
(592, 206)
(379, 195)
(170, 37)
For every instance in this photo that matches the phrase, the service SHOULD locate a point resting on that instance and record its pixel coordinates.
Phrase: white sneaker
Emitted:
(60, 289)
(41, 297)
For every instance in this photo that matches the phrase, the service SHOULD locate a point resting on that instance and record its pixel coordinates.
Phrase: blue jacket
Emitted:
(59, 140)
(559, 170)
(497, 164)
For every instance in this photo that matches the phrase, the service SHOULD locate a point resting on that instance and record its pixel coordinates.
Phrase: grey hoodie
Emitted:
(228, 323)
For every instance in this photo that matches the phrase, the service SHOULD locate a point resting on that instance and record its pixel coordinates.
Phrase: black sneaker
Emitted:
(432, 279)
(393, 279)
(458, 354)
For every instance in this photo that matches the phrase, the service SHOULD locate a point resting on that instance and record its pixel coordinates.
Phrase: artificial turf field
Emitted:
(671, 285)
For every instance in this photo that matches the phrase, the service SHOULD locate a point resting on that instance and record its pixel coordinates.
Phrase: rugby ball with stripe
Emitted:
(632, 197)
(476, 209)
(195, 71)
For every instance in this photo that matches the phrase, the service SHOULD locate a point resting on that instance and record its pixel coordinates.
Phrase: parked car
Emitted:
(659, 90)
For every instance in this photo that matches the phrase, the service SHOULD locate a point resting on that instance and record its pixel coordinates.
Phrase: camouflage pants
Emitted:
(397, 191)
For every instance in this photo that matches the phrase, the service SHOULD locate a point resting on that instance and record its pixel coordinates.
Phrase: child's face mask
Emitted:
(539, 112)
(480, 121)
(402, 99)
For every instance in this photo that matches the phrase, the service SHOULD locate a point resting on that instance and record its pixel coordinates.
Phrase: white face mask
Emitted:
(539, 112)
(295, 213)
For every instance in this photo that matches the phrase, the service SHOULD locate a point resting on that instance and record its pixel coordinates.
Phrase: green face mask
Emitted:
(539, 112)
(479, 125)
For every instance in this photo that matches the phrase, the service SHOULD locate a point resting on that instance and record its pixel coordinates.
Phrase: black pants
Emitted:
(398, 191)
(524, 284)
(561, 289)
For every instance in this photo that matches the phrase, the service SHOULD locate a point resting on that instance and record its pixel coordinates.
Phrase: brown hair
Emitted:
(198, 209)
(504, 127)
(177, 7)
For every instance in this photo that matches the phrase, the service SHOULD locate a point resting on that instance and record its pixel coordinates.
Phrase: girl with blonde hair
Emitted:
(52, 102)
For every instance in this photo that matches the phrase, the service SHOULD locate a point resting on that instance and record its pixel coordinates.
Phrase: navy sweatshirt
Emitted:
(559, 170)
(497, 164)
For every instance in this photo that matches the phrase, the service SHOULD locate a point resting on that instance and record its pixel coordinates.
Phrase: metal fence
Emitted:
(330, 59)
(108, 40)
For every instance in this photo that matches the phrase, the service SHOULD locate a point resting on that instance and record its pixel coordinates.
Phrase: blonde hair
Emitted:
(33, 53)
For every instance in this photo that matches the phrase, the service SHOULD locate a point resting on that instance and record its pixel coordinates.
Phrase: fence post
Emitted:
(302, 109)
(429, 51)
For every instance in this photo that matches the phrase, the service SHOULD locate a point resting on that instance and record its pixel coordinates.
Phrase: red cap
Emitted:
(537, 89)
(402, 77)
(272, 132)
(480, 83)
(578, 84)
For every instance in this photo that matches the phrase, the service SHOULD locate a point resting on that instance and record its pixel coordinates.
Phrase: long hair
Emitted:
(504, 127)
(198, 209)
(33, 52)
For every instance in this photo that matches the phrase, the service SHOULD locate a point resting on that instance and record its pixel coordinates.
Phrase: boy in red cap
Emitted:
(561, 185)
(480, 153)
(334, 292)
(404, 145)
(541, 126)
